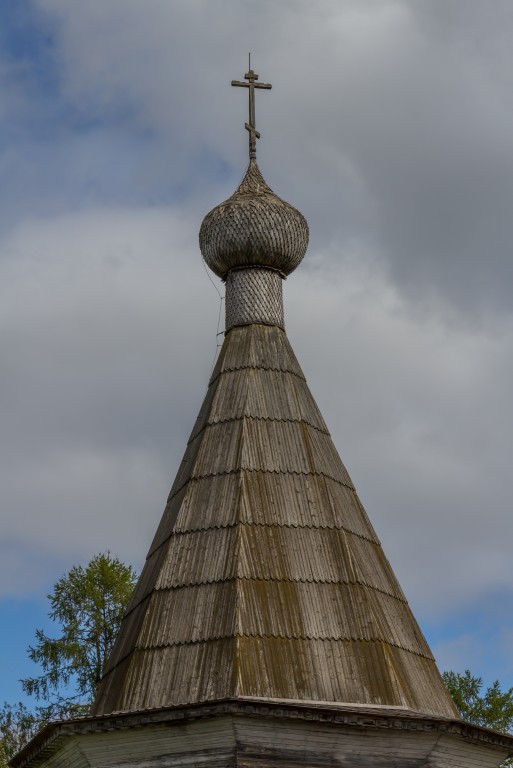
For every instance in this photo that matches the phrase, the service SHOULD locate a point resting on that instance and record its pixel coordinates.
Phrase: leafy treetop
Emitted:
(493, 709)
(88, 604)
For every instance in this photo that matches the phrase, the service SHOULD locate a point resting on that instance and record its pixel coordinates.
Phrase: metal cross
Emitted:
(252, 78)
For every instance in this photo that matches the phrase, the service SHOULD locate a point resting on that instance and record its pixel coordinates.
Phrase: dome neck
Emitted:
(254, 295)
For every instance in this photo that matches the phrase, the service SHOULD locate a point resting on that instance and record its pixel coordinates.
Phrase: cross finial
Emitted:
(251, 84)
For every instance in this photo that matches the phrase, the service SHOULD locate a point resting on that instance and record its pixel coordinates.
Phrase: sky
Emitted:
(390, 126)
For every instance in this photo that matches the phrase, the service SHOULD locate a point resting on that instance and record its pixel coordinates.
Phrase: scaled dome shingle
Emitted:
(254, 227)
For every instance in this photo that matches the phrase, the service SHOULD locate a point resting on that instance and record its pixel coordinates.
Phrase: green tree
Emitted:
(493, 709)
(88, 604)
(17, 726)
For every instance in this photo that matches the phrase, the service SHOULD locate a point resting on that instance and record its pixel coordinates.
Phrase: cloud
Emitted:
(109, 326)
(406, 397)
(396, 119)
(94, 350)
(390, 126)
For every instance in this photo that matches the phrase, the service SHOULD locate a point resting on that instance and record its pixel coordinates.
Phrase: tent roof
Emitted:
(265, 578)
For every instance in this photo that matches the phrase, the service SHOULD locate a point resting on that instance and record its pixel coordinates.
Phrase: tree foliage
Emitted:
(491, 709)
(17, 726)
(88, 604)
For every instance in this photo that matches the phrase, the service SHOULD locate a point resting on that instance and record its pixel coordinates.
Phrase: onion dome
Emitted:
(253, 228)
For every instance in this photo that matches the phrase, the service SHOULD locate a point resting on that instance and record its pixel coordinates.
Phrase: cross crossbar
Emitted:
(251, 77)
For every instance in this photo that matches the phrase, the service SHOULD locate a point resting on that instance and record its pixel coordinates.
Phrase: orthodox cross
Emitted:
(252, 78)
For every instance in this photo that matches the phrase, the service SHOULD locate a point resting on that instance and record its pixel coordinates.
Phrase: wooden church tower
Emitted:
(267, 628)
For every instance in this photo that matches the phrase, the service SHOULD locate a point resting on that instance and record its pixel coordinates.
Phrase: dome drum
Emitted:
(254, 295)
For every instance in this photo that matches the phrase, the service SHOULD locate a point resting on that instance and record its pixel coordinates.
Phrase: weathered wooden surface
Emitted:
(253, 228)
(245, 735)
(265, 577)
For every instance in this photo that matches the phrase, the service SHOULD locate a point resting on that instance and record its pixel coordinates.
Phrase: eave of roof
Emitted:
(49, 740)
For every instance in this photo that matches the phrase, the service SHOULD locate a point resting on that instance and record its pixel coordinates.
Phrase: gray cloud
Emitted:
(94, 351)
(395, 117)
(389, 126)
(421, 412)
(109, 334)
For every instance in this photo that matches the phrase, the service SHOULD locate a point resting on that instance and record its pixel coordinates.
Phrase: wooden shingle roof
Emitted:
(265, 578)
